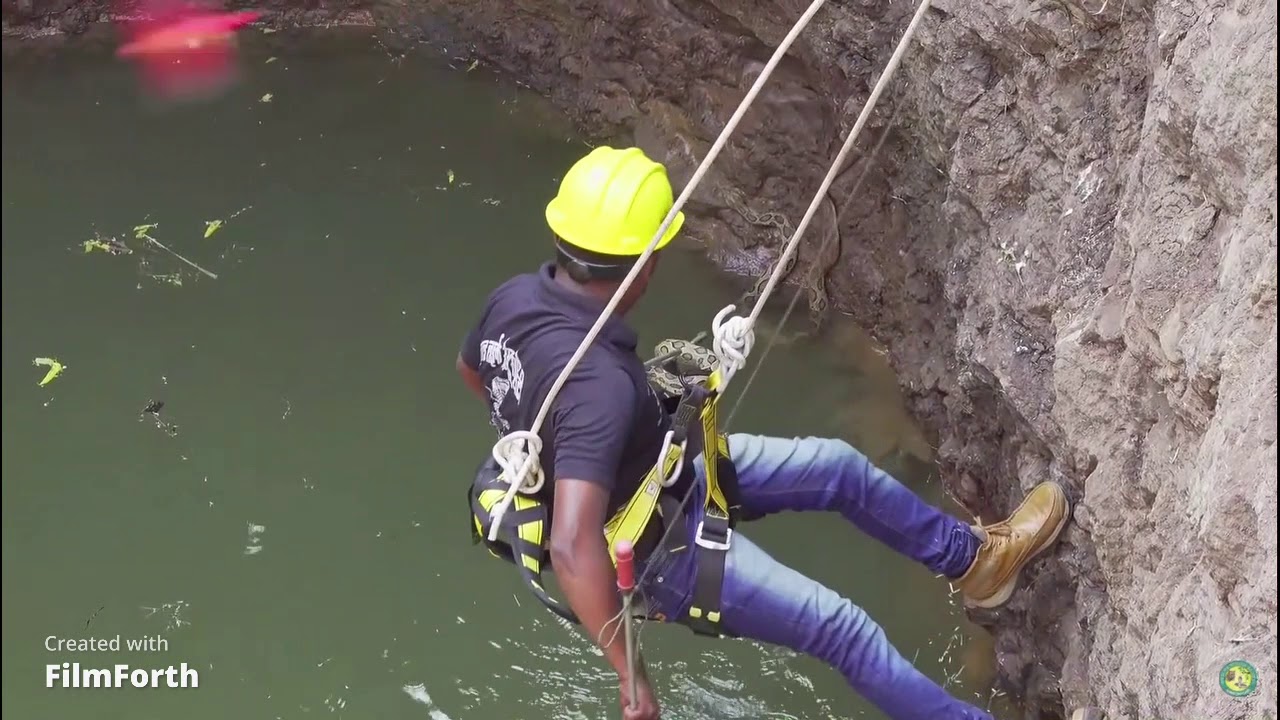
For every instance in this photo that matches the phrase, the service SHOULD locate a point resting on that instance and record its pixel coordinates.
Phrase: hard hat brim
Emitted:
(566, 230)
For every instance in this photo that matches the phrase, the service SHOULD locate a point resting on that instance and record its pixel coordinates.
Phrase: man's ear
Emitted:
(651, 266)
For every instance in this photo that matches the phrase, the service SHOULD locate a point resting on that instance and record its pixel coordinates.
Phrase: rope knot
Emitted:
(517, 454)
(732, 340)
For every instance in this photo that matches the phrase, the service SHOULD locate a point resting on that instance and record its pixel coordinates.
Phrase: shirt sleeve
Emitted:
(592, 426)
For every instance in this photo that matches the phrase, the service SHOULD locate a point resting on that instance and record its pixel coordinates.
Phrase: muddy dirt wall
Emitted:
(1067, 244)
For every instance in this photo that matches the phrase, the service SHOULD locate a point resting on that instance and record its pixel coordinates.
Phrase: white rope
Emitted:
(731, 341)
(734, 337)
(517, 455)
(522, 443)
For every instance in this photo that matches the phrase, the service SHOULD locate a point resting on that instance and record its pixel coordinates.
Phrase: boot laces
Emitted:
(998, 534)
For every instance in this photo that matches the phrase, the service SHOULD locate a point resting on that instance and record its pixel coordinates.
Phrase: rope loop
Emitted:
(517, 454)
(732, 340)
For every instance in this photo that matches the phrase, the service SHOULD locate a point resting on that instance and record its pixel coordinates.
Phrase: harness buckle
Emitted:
(700, 538)
(686, 412)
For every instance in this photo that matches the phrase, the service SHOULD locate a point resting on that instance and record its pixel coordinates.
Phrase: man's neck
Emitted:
(600, 291)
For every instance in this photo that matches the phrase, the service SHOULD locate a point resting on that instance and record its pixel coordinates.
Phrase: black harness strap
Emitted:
(712, 546)
(715, 532)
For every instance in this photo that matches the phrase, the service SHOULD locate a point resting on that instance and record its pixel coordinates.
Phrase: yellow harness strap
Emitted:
(631, 520)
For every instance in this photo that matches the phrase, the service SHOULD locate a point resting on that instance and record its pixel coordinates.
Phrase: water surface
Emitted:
(293, 521)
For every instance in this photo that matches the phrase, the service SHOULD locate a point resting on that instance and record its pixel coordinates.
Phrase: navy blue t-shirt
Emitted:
(607, 424)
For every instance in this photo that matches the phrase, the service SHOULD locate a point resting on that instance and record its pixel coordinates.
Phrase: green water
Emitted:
(294, 527)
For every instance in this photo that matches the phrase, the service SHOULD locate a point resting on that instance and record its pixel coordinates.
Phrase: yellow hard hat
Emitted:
(612, 201)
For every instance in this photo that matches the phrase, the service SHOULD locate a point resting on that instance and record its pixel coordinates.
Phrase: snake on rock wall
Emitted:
(815, 281)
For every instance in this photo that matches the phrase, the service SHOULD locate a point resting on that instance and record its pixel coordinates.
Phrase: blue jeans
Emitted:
(764, 600)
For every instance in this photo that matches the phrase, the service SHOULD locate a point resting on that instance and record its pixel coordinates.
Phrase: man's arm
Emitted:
(471, 378)
(582, 564)
(592, 425)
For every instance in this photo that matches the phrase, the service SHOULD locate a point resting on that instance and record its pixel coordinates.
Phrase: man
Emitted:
(606, 430)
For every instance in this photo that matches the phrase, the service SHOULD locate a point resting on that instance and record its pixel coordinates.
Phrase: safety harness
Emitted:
(688, 381)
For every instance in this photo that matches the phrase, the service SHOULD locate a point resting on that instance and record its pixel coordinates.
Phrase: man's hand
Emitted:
(646, 700)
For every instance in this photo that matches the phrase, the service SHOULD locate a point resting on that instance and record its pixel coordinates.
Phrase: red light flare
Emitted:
(184, 51)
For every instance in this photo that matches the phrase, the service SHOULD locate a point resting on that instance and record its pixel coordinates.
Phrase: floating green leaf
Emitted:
(266, 98)
(143, 232)
(55, 369)
(450, 177)
(271, 60)
(474, 64)
(91, 245)
(213, 226)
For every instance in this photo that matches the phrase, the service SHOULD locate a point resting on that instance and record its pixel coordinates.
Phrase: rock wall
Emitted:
(1067, 243)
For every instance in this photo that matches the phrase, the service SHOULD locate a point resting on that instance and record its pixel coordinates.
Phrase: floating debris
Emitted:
(146, 248)
(266, 98)
(450, 173)
(419, 694)
(152, 410)
(171, 611)
(255, 539)
(143, 232)
(213, 226)
(108, 245)
(89, 622)
(55, 369)
(270, 60)
(474, 64)
(173, 279)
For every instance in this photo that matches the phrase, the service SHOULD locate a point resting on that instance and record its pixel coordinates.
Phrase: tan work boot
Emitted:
(1008, 546)
(1089, 713)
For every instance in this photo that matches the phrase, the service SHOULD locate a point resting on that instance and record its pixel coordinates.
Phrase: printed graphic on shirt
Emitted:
(509, 380)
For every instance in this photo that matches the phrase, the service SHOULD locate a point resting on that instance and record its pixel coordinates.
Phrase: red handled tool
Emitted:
(624, 554)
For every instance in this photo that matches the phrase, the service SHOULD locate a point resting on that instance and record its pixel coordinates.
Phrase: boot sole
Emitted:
(1002, 595)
